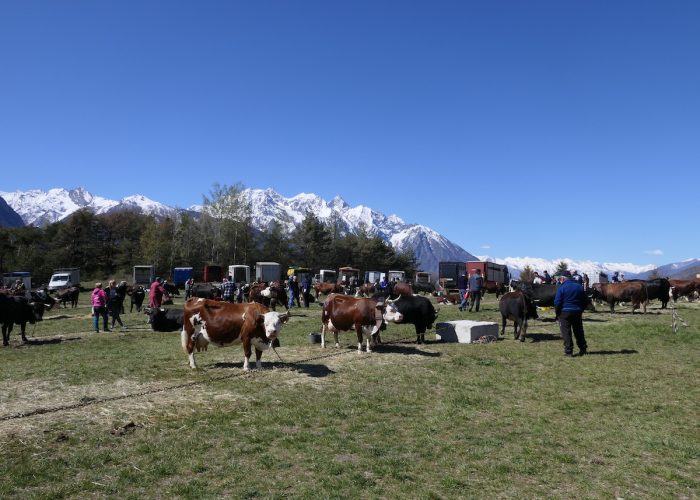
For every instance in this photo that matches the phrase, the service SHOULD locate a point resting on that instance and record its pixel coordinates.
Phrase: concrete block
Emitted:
(465, 331)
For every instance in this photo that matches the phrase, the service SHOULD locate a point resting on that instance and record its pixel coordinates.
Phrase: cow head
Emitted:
(391, 312)
(531, 308)
(37, 311)
(272, 322)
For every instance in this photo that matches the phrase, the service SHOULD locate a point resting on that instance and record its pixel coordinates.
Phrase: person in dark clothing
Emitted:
(546, 278)
(293, 286)
(114, 304)
(229, 287)
(462, 286)
(476, 283)
(306, 290)
(569, 303)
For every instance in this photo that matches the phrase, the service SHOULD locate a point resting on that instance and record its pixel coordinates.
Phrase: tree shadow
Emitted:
(594, 320)
(406, 350)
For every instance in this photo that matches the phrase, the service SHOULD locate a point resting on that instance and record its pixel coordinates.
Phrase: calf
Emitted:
(137, 293)
(517, 307)
(269, 296)
(164, 320)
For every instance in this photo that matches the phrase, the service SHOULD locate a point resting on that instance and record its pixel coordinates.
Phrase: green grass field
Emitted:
(122, 415)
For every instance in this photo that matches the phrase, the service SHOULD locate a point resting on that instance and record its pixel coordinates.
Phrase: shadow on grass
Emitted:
(48, 341)
(543, 337)
(606, 353)
(312, 370)
(407, 350)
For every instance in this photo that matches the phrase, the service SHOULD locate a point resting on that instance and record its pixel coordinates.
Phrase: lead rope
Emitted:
(677, 320)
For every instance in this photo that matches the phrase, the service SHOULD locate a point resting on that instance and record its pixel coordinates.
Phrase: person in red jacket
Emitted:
(155, 293)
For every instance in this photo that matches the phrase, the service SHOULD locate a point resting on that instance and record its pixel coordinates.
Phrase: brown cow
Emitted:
(366, 290)
(449, 298)
(268, 295)
(400, 288)
(328, 288)
(494, 287)
(684, 288)
(343, 313)
(626, 291)
(223, 323)
(68, 295)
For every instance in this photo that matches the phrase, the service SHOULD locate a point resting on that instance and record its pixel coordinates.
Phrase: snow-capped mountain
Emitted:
(686, 269)
(591, 268)
(38, 208)
(8, 217)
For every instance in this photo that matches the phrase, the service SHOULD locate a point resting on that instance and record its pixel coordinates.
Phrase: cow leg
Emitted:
(258, 355)
(515, 329)
(246, 352)
(188, 344)
(503, 328)
(358, 330)
(22, 328)
(5, 335)
(335, 336)
(323, 336)
(523, 330)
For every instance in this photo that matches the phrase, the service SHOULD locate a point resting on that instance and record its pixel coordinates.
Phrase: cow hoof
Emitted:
(522, 339)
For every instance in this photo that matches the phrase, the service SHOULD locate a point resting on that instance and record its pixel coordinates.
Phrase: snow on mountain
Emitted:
(589, 267)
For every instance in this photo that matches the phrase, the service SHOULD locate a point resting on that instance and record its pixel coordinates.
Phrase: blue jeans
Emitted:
(462, 293)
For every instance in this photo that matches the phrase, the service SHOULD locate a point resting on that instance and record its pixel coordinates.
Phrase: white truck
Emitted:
(239, 273)
(267, 271)
(64, 278)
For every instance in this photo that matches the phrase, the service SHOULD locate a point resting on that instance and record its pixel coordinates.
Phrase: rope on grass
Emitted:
(677, 320)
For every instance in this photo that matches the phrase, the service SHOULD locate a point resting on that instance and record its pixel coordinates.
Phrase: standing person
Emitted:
(537, 280)
(294, 295)
(575, 276)
(546, 278)
(586, 282)
(462, 285)
(114, 304)
(569, 303)
(615, 277)
(188, 288)
(99, 307)
(306, 290)
(476, 283)
(229, 287)
(155, 294)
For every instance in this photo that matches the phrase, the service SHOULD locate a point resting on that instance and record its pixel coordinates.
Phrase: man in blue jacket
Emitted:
(569, 303)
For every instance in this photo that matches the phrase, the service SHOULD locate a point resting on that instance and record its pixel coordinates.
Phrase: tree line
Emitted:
(109, 245)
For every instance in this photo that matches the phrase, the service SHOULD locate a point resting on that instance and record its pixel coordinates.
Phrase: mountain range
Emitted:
(36, 207)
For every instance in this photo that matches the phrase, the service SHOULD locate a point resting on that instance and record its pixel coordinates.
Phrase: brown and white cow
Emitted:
(365, 316)
(634, 292)
(684, 288)
(328, 288)
(208, 321)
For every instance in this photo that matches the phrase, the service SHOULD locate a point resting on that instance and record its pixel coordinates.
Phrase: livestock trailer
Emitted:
(267, 271)
(346, 274)
(9, 279)
(422, 277)
(490, 271)
(396, 276)
(239, 273)
(144, 275)
(300, 273)
(374, 276)
(213, 274)
(181, 275)
(327, 276)
(448, 272)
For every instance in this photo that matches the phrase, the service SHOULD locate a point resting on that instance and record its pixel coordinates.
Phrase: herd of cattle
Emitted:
(256, 323)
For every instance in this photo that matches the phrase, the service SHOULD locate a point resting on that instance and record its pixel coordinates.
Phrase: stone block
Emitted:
(465, 331)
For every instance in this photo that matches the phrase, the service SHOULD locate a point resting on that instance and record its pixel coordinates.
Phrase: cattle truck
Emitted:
(182, 274)
(422, 277)
(267, 271)
(64, 278)
(374, 276)
(144, 275)
(448, 272)
(239, 273)
(491, 272)
(346, 274)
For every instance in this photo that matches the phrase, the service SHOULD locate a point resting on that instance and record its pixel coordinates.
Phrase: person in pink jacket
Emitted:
(99, 308)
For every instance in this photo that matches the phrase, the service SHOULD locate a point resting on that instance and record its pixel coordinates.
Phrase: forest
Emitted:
(109, 245)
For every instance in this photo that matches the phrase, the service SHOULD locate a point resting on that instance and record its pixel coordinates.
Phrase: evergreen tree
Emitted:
(527, 274)
(561, 267)
(313, 241)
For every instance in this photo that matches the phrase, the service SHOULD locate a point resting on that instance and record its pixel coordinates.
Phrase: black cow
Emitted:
(542, 295)
(517, 307)
(658, 288)
(164, 320)
(172, 289)
(18, 311)
(423, 287)
(206, 291)
(137, 294)
(68, 295)
(418, 311)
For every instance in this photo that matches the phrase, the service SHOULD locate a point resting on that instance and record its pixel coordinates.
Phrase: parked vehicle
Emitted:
(182, 274)
(64, 278)
(267, 271)
(239, 273)
(9, 279)
(213, 274)
(144, 275)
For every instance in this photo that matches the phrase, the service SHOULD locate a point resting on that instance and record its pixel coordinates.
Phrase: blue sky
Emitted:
(541, 128)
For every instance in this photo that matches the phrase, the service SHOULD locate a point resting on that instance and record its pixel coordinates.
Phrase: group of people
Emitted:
(106, 303)
(470, 290)
(546, 279)
(295, 291)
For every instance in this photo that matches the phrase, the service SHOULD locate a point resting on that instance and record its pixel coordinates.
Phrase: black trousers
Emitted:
(572, 321)
(475, 300)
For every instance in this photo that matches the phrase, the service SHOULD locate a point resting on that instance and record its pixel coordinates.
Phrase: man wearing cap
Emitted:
(476, 283)
(569, 303)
